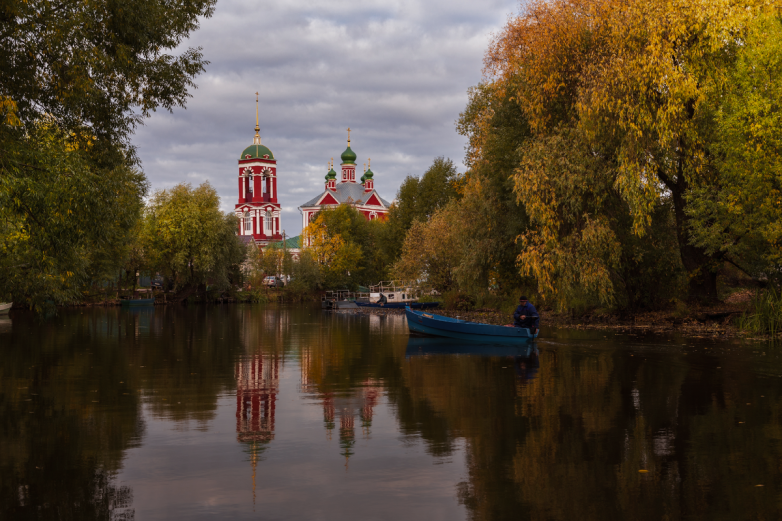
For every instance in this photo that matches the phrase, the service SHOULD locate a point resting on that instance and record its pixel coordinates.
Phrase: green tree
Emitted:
(190, 239)
(75, 80)
(491, 217)
(100, 65)
(418, 199)
(65, 219)
(305, 274)
(738, 213)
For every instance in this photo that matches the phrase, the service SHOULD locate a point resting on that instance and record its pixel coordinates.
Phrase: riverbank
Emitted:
(719, 320)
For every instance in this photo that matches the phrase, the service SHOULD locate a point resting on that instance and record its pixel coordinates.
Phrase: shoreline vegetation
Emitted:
(623, 168)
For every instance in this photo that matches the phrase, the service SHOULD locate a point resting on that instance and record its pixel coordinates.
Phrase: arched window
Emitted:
(268, 223)
(248, 222)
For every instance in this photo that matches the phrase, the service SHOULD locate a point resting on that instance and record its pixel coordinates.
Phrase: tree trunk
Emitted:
(700, 267)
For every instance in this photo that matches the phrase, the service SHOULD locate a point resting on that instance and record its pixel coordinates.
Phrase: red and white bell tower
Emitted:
(257, 209)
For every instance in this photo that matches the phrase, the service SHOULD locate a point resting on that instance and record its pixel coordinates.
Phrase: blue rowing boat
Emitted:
(438, 325)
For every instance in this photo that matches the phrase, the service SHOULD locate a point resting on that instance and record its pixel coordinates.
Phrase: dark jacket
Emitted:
(530, 312)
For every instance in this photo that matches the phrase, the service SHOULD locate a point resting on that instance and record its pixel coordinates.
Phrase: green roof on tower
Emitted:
(331, 173)
(348, 156)
(256, 152)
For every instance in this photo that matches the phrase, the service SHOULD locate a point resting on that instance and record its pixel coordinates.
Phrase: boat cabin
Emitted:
(391, 296)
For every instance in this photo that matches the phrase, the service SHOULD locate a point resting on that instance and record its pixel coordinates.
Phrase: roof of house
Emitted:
(292, 243)
(351, 193)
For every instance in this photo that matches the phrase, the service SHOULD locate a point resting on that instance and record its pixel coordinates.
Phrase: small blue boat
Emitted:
(398, 305)
(138, 302)
(438, 325)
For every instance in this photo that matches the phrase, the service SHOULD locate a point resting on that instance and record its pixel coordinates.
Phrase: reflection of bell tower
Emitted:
(257, 383)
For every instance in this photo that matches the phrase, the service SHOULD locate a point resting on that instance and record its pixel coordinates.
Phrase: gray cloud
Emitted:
(396, 72)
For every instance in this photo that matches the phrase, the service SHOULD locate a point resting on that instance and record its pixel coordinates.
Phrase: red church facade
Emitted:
(362, 196)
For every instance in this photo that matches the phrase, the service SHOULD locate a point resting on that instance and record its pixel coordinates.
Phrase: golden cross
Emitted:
(348, 136)
(369, 162)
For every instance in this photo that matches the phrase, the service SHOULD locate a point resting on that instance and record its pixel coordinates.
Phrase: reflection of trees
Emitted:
(66, 421)
(569, 443)
(86, 374)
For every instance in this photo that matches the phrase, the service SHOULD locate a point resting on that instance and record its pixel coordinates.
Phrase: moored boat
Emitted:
(393, 295)
(138, 302)
(5, 307)
(398, 305)
(438, 325)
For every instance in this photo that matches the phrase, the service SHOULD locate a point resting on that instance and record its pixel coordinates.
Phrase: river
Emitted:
(266, 412)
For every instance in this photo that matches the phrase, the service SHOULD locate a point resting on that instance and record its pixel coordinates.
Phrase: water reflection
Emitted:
(111, 413)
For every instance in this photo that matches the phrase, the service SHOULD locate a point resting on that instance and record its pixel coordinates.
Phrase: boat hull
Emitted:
(436, 325)
(139, 302)
(5, 307)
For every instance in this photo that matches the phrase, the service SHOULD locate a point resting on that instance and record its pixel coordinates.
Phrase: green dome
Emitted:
(256, 152)
(369, 174)
(331, 175)
(348, 156)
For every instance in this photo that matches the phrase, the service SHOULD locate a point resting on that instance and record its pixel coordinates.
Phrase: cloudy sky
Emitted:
(395, 71)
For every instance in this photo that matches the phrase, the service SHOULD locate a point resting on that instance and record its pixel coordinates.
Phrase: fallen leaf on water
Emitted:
(643, 471)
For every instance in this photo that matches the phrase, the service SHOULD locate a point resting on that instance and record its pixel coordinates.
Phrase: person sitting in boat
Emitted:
(526, 315)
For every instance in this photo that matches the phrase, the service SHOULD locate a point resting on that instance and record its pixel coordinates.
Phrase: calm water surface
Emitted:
(248, 412)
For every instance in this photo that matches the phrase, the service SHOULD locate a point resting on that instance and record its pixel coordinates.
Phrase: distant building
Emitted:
(363, 197)
(257, 209)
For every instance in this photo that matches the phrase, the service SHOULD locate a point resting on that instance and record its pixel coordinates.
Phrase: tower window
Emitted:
(268, 223)
(248, 222)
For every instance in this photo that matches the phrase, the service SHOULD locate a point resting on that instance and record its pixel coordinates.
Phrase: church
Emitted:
(361, 196)
(258, 208)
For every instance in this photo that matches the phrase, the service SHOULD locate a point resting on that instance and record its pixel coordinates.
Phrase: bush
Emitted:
(766, 315)
(458, 301)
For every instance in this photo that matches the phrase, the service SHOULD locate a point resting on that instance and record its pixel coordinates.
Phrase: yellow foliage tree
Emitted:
(627, 86)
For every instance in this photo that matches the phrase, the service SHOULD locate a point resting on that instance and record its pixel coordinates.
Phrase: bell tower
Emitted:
(257, 207)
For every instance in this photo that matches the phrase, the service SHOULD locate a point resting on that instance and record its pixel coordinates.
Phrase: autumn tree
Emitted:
(616, 95)
(328, 239)
(432, 251)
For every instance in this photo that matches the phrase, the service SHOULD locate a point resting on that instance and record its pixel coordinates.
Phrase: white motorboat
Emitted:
(5, 307)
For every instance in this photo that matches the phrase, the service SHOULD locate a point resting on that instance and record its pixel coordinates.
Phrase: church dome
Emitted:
(369, 174)
(331, 175)
(348, 156)
(256, 152)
